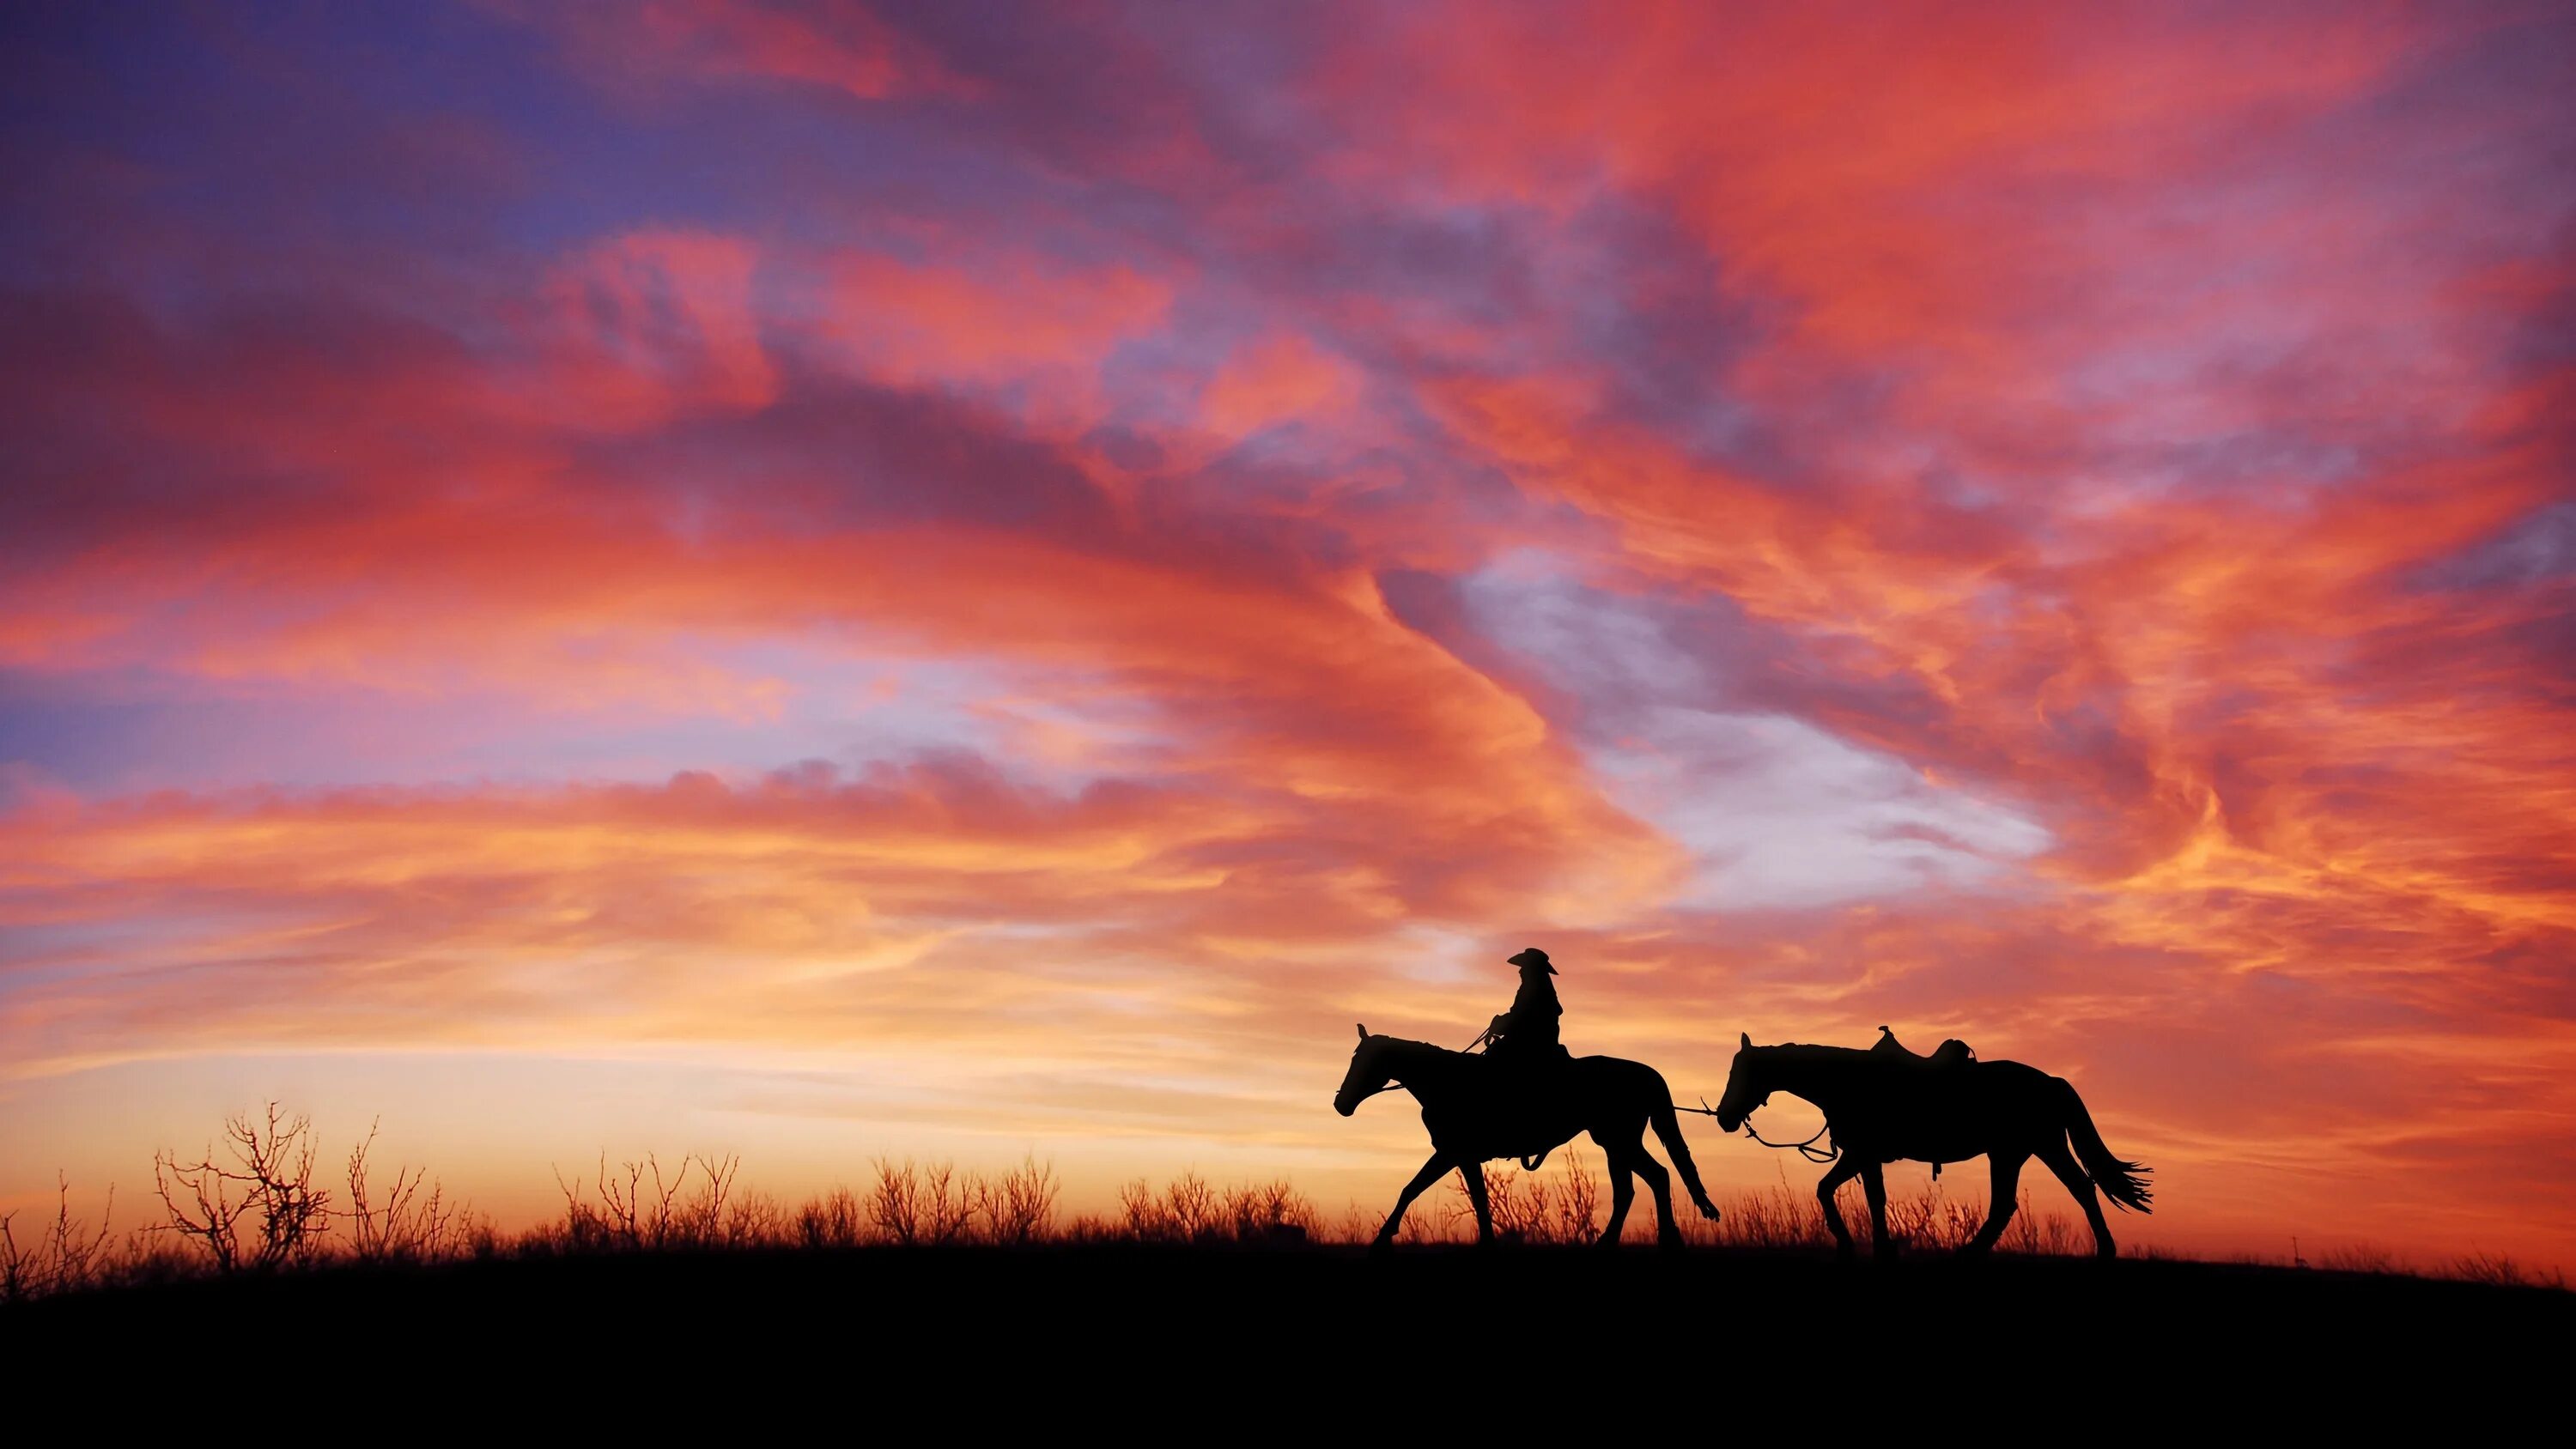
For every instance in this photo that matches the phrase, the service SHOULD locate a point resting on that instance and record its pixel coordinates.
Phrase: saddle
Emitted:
(1521, 1081)
(1937, 1075)
(1951, 1053)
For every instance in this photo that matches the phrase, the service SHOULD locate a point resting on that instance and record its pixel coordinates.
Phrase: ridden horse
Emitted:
(1475, 1114)
(1883, 1106)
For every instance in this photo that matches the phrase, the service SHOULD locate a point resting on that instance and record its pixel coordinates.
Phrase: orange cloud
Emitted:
(1273, 381)
(995, 322)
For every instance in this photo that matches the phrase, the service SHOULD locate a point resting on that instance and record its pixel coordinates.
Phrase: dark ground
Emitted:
(1208, 1343)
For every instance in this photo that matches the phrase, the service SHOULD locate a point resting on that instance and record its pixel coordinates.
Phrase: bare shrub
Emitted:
(1576, 1215)
(704, 1218)
(68, 1255)
(644, 1205)
(1927, 1219)
(1019, 1205)
(833, 1220)
(1089, 1228)
(1191, 1205)
(617, 1220)
(1186, 1211)
(1959, 1219)
(754, 1219)
(895, 1205)
(268, 1189)
(406, 1227)
(2497, 1270)
(2042, 1233)
(1774, 1217)
(912, 1205)
(20, 1277)
(586, 1226)
(1144, 1211)
(950, 1201)
(1518, 1205)
(1268, 1214)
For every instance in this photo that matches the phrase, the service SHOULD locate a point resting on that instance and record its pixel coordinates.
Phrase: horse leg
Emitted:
(1474, 1172)
(1432, 1171)
(1623, 1193)
(2005, 1183)
(1873, 1185)
(2069, 1171)
(1659, 1181)
(1840, 1173)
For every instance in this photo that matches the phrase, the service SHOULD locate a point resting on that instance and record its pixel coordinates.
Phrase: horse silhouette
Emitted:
(1478, 1110)
(1885, 1105)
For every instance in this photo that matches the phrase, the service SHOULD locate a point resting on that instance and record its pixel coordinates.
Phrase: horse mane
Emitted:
(1406, 1041)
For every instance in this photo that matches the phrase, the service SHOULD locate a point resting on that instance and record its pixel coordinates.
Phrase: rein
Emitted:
(1806, 1149)
(1482, 1038)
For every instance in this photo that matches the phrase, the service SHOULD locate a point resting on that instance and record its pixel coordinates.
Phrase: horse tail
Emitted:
(2124, 1183)
(1668, 1126)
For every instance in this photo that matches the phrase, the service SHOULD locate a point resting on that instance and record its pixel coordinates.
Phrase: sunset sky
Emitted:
(964, 580)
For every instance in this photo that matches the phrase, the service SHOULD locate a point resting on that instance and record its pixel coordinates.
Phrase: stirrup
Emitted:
(1531, 1164)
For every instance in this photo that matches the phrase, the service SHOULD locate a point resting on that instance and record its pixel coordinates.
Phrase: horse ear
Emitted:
(1745, 1037)
(1363, 1026)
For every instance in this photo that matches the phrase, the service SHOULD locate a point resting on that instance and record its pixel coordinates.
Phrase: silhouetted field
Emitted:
(1235, 1300)
(1055, 1335)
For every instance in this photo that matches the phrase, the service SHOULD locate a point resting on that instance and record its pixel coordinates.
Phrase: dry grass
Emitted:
(2359, 1258)
(1188, 1210)
(258, 1209)
(1566, 1204)
(2504, 1272)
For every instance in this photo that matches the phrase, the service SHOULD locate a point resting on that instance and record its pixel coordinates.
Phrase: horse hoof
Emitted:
(1671, 1243)
(1382, 1248)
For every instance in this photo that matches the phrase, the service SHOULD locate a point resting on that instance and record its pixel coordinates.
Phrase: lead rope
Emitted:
(1806, 1149)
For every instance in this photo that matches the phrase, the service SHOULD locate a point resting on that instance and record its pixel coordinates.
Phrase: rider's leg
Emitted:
(1873, 1186)
(2069, 1171)
(1835, 1176)
(1474, 1173)
(1432, 1171)
(2002, 1188)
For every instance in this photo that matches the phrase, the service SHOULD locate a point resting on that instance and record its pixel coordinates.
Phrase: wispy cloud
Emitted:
(1024, 575)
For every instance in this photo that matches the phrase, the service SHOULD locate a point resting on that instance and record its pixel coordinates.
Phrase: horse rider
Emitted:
(1525, 1036)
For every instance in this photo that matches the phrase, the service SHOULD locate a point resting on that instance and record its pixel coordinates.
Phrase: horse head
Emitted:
(1745, 1087)
(1367, 1074)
